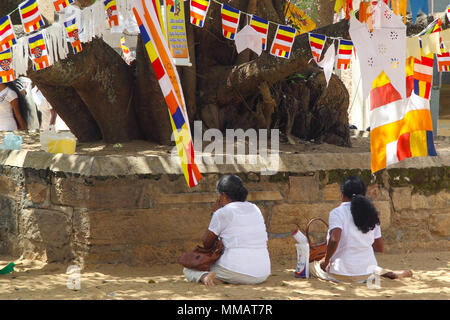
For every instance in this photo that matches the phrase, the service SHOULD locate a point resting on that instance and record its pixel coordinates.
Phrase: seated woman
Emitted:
(240, 224)
(354, 234)
(9, 109)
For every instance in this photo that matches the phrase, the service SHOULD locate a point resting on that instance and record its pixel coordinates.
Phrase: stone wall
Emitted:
(138, 210)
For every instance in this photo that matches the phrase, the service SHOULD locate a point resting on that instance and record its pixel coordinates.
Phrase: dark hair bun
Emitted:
(233, 187)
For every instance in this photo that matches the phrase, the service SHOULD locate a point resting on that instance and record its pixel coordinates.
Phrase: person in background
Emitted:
(354, 235)
(10, 116)
(241, 226)
(26, 103)
(49, 117)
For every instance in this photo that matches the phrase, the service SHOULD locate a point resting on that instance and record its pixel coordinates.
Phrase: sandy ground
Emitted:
(36, 280)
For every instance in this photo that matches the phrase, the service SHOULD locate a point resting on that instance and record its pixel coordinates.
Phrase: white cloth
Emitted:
(413, 48)
(248, 38)
(354, 254)
(223, 274)
(7, 121)
(384, 49)
(431, 44)
(43, 106)
(327, 62)
(445, 35)
(244, 236)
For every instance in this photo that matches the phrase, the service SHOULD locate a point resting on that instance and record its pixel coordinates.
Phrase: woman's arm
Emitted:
(52, 117)
(378, 245)
(209, 238)
(335, 237)
(20, 122)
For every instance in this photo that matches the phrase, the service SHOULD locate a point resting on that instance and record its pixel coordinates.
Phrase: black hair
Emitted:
(233, 187)
(364, 213)
(16, 86)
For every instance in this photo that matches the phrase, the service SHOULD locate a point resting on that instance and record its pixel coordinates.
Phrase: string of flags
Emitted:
(37, 37)
(281, 47)
(284, 37)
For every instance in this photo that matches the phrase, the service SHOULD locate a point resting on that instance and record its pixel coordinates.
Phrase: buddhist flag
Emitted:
(169, 81)
(125, 49)
(199, 9)
(400, 128)
(38, 50)
(61, 4)
(111, 12)
(6, 70)
(171, 5)
(423, 75)
(30, 15)
(443, 59)
(7, 36)
(298, 18)
(261, 26)
(317, 42)
(230, 21)
(282, 44)
(72, 33)
(344, 54)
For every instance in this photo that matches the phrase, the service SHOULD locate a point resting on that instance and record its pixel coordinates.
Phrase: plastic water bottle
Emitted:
(12, 142)
(302, 269)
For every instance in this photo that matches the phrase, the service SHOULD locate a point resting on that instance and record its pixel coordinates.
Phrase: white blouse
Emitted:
(243, 231)
(7, 121)
(354, 255)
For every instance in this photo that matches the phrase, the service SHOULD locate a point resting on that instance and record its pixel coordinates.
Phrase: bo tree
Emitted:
(100, 97)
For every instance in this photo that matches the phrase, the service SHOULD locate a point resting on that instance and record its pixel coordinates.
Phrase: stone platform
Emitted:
(138, 210)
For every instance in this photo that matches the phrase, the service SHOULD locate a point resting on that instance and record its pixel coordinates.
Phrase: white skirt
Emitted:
(8, 124)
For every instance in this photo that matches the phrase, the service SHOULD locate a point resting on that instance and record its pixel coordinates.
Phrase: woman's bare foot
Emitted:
(406, 274)
(398, 275)
(208, 279)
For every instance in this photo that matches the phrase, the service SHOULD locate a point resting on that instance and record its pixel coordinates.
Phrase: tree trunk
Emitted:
(75, 114)
(104, 83)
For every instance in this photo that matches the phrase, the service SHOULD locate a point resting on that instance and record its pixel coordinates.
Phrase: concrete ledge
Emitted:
(105, 166)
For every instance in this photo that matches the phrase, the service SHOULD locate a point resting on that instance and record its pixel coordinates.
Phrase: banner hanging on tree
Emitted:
(176, 33)
(299, 19)
(167, 75)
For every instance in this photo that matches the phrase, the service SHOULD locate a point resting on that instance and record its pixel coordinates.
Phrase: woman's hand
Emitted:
(324, 265)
